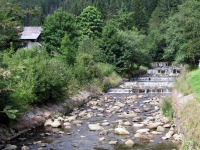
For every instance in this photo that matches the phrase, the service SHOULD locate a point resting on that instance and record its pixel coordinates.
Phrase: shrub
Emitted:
(37, 78)
(166, 107)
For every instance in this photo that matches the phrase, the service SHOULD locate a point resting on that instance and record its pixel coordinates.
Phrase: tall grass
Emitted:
(182, 83)
(166, 107)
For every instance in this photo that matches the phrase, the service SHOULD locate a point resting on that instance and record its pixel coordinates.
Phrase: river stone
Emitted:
(48, 122)
(83, 113)
(129, 143)
(121, 131)
(56, 123)
(167, 126)
(71, 118)
(10, 147)
(160, 129)
(105, 124)
(95, 127)
(127, 123)
(25, 148)
(66, 124)
(127, 115)
(60, 118)
(165, 120)
(137, 125)
(137, 135)
(142, 131)
(156, 132)
(102, 139)
(134, 97)
(113, 142)
(153, 125)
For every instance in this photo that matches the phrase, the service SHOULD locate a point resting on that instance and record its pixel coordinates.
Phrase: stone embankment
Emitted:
(37, 116)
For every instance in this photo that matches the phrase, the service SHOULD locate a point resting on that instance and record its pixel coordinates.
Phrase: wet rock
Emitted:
(121, 131)
(60, 118)
(102, 139)
(113, 142)
(160, 129)
(10, 147)
(142, 131)
(153, 125)
(95, 127)
(48, 122)
(165, 120)
(105, 124)
(56, 123)
(71, 118)
(83, 113)
(167, 125)
(137, 125)
(127, 123)
(25, 148)
(66, 124)
(134, 97)
(127, 115)
(156, 132)
(129, 143)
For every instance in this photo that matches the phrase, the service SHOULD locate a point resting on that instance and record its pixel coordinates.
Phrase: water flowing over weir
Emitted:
(125, 118)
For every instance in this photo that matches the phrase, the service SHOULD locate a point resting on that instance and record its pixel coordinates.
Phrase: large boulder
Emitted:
(129, 143)
(56, 123)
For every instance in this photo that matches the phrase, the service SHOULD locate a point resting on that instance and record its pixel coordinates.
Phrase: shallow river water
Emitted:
(79, 137)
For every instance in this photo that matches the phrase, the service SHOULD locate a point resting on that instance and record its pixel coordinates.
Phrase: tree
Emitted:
(90, 22)
(182, 34)
(67, 51)
(10, 14)
(123, 49)
(139, 17)
(55, 27)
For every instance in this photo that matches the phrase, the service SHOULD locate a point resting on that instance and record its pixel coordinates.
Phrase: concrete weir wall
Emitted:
(37, 116)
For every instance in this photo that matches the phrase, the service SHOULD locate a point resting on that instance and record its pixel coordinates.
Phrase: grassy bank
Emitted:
(188, 107)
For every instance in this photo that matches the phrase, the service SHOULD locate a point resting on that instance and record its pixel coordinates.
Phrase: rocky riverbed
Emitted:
(111, 122)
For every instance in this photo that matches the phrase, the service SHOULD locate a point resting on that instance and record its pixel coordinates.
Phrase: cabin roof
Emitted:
(31, 33)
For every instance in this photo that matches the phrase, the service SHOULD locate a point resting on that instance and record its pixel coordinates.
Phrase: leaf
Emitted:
(13, 111)
(11, 115)
(8, 107)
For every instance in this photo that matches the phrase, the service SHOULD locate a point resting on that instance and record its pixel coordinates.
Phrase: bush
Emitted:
(37, 78)
(166, 107)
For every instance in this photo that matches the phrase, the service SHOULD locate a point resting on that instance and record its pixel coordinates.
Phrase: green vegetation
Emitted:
(166, 107)
(195, 80)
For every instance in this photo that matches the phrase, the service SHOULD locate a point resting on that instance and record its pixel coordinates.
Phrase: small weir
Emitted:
(125, 118)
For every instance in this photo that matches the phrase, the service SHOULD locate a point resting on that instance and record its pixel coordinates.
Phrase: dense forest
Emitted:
(85, 41)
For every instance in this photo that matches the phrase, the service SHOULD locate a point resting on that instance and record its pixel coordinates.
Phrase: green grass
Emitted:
(195, 83)
(166, 107)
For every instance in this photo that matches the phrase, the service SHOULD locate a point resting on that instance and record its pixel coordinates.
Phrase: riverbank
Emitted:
(37, 116)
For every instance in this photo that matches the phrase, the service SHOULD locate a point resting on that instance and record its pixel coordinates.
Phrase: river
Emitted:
(132, 106)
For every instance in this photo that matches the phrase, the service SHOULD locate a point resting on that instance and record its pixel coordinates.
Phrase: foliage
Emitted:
(36, 78)
(10, 13)
(90, 22)
(182, 83)
(55, 27)
(194, 81)
(67, 51)
(85, 68)
(187, 47)
(90, 46)
(139, 17)
(166, 107)
(123, 49)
